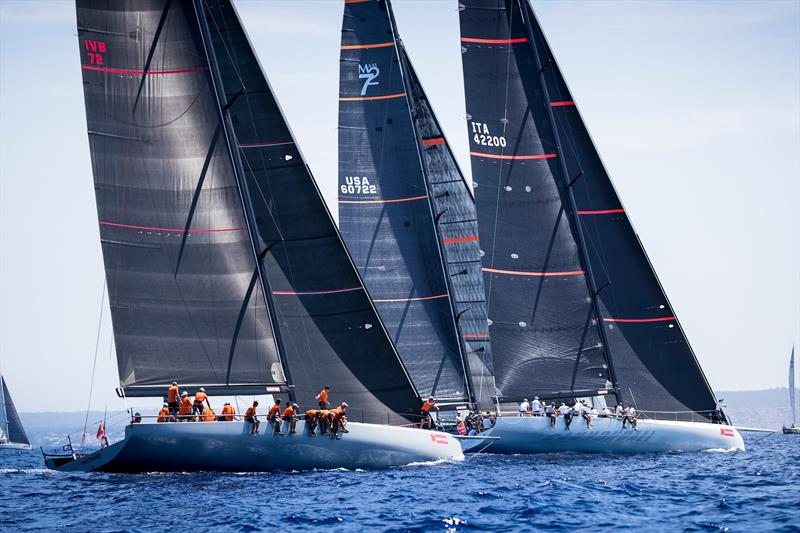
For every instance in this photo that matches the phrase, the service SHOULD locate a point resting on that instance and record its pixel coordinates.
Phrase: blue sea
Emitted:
(757, 490)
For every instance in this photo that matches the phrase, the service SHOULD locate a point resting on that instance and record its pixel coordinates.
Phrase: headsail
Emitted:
(405, 211)
(192, 130)
(544, 331)
(11, 425)
(651, 362)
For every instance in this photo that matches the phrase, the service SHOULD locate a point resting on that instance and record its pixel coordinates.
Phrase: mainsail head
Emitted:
(223, 264)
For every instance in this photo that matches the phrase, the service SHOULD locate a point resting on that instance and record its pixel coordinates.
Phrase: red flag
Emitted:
(101, 431)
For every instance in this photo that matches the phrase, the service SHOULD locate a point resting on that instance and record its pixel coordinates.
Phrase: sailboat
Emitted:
(575, 308)
(12, 434)
(223, 265)
(407, 215)
(792, 429)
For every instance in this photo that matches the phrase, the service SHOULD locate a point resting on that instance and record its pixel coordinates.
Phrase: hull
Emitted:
(534, 435)
(791, 430)
(14, 446)
(229, 447)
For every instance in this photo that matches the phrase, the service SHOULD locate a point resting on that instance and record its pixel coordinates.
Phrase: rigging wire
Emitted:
(94, 363)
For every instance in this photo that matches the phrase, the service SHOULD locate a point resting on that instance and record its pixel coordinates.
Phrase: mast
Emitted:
(402, 58)
(238, 171)
(792, 392)
(593, 291)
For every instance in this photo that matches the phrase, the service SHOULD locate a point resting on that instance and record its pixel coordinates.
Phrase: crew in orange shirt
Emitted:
(209, 415)
(228, 413)
(323, 397)
(425, 412)
(173, 398)
(185, 407)
(250, 416)
(290, 416)
(338, 419)
(200, 397)
(274, 416)
(165, 415)
(312, 416)
(324, 420)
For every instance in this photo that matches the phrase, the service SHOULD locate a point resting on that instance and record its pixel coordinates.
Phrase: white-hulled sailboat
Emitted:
(792, 429)
(12, 434)
(223, 265)
(574, 306)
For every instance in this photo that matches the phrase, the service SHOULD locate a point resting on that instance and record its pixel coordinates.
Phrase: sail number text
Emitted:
(481, 135)
(95, 51)
(357, 185)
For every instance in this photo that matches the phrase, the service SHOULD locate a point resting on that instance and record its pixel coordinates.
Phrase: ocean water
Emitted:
(757, 490)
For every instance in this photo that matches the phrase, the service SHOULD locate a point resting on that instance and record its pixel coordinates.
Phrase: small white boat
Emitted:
(792, 429)
(229, 447)
(534, 435)
(12, 434)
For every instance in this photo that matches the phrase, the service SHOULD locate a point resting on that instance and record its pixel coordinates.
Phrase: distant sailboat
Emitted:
(793, 429)
(12, 434)
(574, 306)
(224, 267)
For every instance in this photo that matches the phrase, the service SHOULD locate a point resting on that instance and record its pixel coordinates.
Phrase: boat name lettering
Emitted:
(368, 72)
(482, 136)
(439, 438)
(358, 185)
(95, 50)
(90, 458)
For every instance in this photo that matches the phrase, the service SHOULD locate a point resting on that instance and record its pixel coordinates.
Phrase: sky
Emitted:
(694, 107)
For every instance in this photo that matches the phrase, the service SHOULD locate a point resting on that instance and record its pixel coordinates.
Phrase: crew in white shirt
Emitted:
(536, 406)
(524, 407)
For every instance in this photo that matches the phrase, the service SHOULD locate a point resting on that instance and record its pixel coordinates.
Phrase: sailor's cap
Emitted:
(184, 393)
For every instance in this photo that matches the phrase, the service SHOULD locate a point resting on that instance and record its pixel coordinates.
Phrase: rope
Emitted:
(94, 364)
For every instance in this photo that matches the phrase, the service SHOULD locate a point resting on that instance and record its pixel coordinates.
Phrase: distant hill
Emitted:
(768, 408)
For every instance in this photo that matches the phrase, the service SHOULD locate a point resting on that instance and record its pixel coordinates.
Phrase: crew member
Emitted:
(586, 414)
(185, 407)
(312, 416)
(524, 408)
(228, 412)
(208, 415)
(619, 412)
(274, 416)
(567, 413)
(250, 417)
(630, 416)
(165, 414)
(718, 416)
(324, 421)
(338, 418)
(173, 398)
(323, 397)
(550, 411)
(200, 398)
(536, 406)
(290, 415)
(425, 412)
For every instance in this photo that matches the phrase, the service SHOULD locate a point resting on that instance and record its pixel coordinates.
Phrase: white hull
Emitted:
(534, 435)
(14, 446)
(229, 446)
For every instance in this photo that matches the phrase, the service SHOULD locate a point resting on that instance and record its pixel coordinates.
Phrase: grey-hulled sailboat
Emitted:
(223, 265)
(12, 434)
(575, 307)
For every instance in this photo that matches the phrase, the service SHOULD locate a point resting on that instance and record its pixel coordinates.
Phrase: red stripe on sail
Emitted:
(369, 98)
(494, 41)
(640, 320)
(417, 299)
(476, 335)
(601, 212)
(383, 201)
(461, 239)
(141, 72)
(562, 103)
(150, 228)
(495, 156)
(366, 46)
(303, 293)
(538, 274)
(432, 141)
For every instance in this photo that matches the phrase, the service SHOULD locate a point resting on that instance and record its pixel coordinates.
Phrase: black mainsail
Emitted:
(559, 246)
(11, 430)
(406, 213)
(223, 264)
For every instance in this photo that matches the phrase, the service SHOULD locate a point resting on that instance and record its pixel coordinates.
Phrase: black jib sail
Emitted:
(515, 92)
(223, 265)
(10, 425)
(406, 213)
